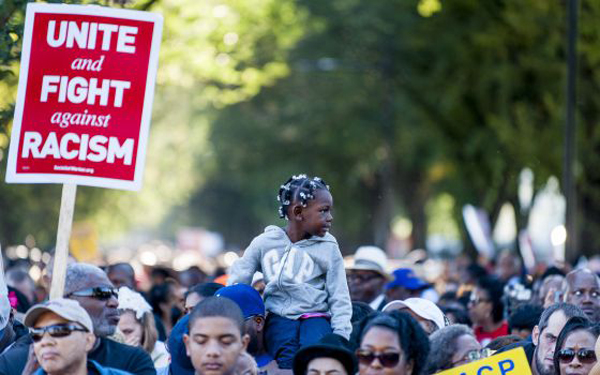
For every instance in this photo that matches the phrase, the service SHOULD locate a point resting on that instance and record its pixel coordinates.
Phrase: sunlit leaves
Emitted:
(427, 8)
(227, 50)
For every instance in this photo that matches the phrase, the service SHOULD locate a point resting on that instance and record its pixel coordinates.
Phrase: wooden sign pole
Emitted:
(61, 253)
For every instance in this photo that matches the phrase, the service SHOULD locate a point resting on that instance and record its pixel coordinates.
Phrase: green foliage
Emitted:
(213, 53)
(394, 103)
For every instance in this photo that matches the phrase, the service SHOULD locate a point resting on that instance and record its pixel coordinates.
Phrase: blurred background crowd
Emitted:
(469, 309)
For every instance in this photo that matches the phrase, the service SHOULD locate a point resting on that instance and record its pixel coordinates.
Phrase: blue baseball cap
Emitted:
(246, 297)
(406, 278)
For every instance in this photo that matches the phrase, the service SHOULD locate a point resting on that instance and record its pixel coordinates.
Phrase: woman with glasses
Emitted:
(574, 353)
(392, 343)
(451, 347)
(486, 310)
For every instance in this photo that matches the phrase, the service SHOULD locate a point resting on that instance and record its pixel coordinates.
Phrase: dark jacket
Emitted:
(94, 369)
(11, 334)
(109, 353)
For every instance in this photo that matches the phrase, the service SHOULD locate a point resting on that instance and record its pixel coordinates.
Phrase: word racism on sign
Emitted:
(85, 96)
(512, 362)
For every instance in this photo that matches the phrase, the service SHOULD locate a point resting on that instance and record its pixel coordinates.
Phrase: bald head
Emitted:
(581, 287)
(82, 275)
(121, 274)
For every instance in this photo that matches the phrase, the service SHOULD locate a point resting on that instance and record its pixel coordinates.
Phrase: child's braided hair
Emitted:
(298, 188)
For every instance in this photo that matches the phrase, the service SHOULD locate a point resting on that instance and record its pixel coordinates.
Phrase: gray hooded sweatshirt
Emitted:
(303, 277)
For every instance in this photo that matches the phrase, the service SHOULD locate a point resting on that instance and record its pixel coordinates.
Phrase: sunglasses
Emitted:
(56, 331)
(586, 356)
(102, 293)
(366, 357)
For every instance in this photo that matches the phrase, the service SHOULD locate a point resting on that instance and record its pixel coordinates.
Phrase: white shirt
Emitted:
(376, 302)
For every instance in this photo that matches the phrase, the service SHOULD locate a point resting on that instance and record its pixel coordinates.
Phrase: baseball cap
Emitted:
(422, 307)
(405, 277)
(370, 258)
(246, 297)
(67, 309)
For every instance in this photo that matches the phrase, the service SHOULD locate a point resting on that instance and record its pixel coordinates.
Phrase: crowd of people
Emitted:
(291, 305)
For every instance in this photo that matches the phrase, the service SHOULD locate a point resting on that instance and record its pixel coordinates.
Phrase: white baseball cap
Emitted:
(67, 309)
(370, 258)
(422, 307)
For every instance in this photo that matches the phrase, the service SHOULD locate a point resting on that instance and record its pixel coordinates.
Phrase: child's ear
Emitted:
(297, 212)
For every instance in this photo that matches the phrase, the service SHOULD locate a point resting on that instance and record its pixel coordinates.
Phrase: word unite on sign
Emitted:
(85, 36)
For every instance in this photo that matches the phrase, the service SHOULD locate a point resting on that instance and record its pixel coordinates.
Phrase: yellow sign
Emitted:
(512, 362)
(84, 242)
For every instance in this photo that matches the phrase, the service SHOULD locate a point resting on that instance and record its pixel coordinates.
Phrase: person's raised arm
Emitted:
(244, 268)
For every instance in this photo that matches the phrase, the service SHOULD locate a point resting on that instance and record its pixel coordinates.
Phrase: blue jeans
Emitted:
(284, 337)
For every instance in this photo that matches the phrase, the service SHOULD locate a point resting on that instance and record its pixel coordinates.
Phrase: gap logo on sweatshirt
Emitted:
(297, 266)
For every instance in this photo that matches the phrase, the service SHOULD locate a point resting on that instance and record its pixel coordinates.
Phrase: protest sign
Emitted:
(85, 95)
(84, 103)
(512, 362)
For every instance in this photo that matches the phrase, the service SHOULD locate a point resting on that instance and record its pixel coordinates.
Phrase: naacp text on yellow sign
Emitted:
(512, 362)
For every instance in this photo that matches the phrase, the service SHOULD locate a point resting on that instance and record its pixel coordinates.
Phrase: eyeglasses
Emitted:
(102, 293)
(367, 357)
(472, 356)
(56, 331)
(476, 355)
(584, 355)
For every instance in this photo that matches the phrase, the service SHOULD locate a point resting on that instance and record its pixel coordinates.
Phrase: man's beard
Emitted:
(102, 328)
(539, 365)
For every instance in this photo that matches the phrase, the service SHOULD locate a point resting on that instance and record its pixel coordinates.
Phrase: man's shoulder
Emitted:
(123, 357)
(122, 349)
(13, 360)
(102, 370)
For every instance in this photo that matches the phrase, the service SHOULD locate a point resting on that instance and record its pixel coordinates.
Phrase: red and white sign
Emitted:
(85, 95)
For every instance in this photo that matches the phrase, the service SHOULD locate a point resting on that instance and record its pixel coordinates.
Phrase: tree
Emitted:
(213, 54)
